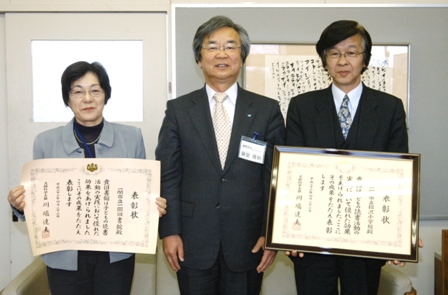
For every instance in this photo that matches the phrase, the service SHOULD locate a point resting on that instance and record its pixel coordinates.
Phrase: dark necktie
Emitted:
(345, 119)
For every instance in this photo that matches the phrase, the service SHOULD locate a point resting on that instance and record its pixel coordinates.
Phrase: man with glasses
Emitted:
(215, 147)
(346, 115)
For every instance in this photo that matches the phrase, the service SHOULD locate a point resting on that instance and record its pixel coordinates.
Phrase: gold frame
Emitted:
(371, 203)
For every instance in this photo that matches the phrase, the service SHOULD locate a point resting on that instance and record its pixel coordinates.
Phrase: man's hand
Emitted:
(294, 254)
(161, 206)
(174, 250)
(402, 263)
(268, 255)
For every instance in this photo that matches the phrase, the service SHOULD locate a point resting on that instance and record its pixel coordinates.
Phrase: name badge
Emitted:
(252, 150)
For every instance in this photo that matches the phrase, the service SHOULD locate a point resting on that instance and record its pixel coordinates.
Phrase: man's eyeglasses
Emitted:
(78, 92)
(347, 55)
(228, 48)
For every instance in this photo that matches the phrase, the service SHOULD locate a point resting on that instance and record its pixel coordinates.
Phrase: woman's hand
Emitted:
(16, 197)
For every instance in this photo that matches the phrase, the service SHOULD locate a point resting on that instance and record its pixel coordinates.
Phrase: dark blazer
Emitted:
(210, 207)
(379, 125)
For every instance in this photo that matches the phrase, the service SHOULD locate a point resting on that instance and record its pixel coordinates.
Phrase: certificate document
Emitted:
(92, 204)
(345, 202)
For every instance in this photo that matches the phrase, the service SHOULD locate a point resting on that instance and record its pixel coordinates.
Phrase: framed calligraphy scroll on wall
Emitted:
(282, 71)
(342, 202)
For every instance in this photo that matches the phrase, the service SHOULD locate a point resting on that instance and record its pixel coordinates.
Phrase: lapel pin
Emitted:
(249, 115)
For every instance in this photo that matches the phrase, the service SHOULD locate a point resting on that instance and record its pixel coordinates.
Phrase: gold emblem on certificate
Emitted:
(92, 167)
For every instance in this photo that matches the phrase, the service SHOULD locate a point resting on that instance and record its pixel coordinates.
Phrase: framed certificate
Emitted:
(344, 202)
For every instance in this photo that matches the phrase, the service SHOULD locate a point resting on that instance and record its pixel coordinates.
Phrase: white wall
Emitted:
(5, 212)
(161, 5)
(422, 273)
(430, 230)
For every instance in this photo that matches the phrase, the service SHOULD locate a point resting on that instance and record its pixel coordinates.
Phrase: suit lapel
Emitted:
(324, 120)
(241, 123)
(202, 122)
(368, 120)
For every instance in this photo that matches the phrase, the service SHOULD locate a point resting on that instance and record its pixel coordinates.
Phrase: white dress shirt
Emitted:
(354, 96)
(228, 104)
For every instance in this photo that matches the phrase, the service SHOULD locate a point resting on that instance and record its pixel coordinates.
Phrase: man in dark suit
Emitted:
(372, 121)
(213, 232)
